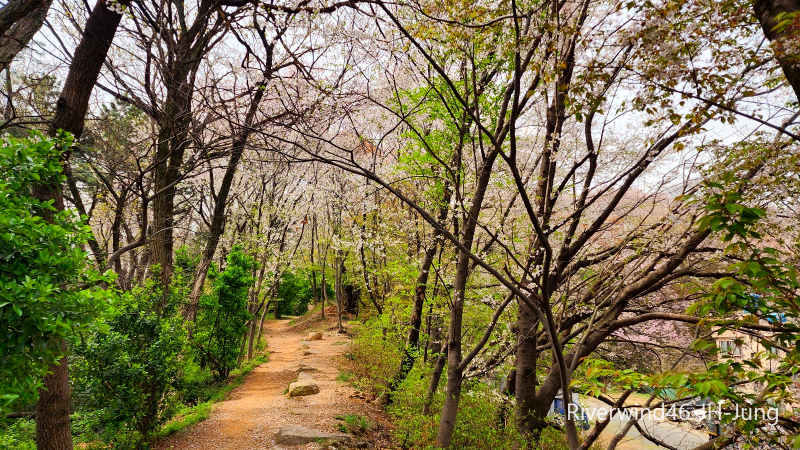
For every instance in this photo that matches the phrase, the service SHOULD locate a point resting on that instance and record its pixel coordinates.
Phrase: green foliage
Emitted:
(295, 294)
(479, 424)
(485, 418)
(353, 424)
(728, 216)
(763, 289)
(596, 376)
(344, 376)
(18, 435)
(128, 374)
(221, 322)
(44, 270)
(185, 260)
(195, 383)
(188, 416)
(375, 359)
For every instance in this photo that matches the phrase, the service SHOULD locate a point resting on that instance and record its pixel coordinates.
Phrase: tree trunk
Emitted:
(428, 321)
(525, 383)
(17, 37)
(324, 282)
(261, 322)
(415, 322)
(313, 269)
(119, 211)
(52, 410)
(351, 296)
(367, 285)
(251, 338)
(16, 10)
(172, 143)
(447, 422)
(254, 308)
(338, 288)
(435, 378)
(90, 55)
(52, 418)
(53, 430)
(242, 345)
(785, 41)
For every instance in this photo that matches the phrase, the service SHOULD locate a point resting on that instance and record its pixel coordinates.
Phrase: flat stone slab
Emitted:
(306, 368)
(314, 336)
(304, 376)
(310, 352)
(297, 435)
(303, 387)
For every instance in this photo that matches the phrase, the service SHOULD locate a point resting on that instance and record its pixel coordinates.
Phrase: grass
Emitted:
(340, 343)
(190, 415)
(353, 424)
(187, 417)
(345, 376)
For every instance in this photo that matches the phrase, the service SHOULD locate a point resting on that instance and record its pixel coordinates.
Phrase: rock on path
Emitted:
(297, 435)
(252, 414)
(303, 387)
(314, 336)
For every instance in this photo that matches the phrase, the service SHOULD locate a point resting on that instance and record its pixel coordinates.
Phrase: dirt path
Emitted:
(254, 412)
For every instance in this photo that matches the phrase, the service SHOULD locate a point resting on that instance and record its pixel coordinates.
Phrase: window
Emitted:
(773, 350)
(730, 348)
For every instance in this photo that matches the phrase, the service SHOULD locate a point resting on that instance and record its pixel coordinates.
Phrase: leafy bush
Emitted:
(44, 270)
(295, 293)
(353, 424)
(186, 261)
(128, 374)
(18, 435)
(221, 322)
(195, 382)
(477, 425)
(375, 357)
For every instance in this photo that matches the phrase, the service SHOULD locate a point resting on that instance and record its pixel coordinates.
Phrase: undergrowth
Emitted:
(485, 418)
(353, 424)
(19, 434)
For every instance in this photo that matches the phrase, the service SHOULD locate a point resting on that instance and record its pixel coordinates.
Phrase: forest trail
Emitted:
(250, 417)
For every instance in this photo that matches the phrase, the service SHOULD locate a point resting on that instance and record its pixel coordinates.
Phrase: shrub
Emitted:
(128, 374)
(295, 293)
(353, 424)
(185, 260)
(477, 425)
(44, 270)
(221, 322)
(18, 435)
(194, 383)
(375, 358)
